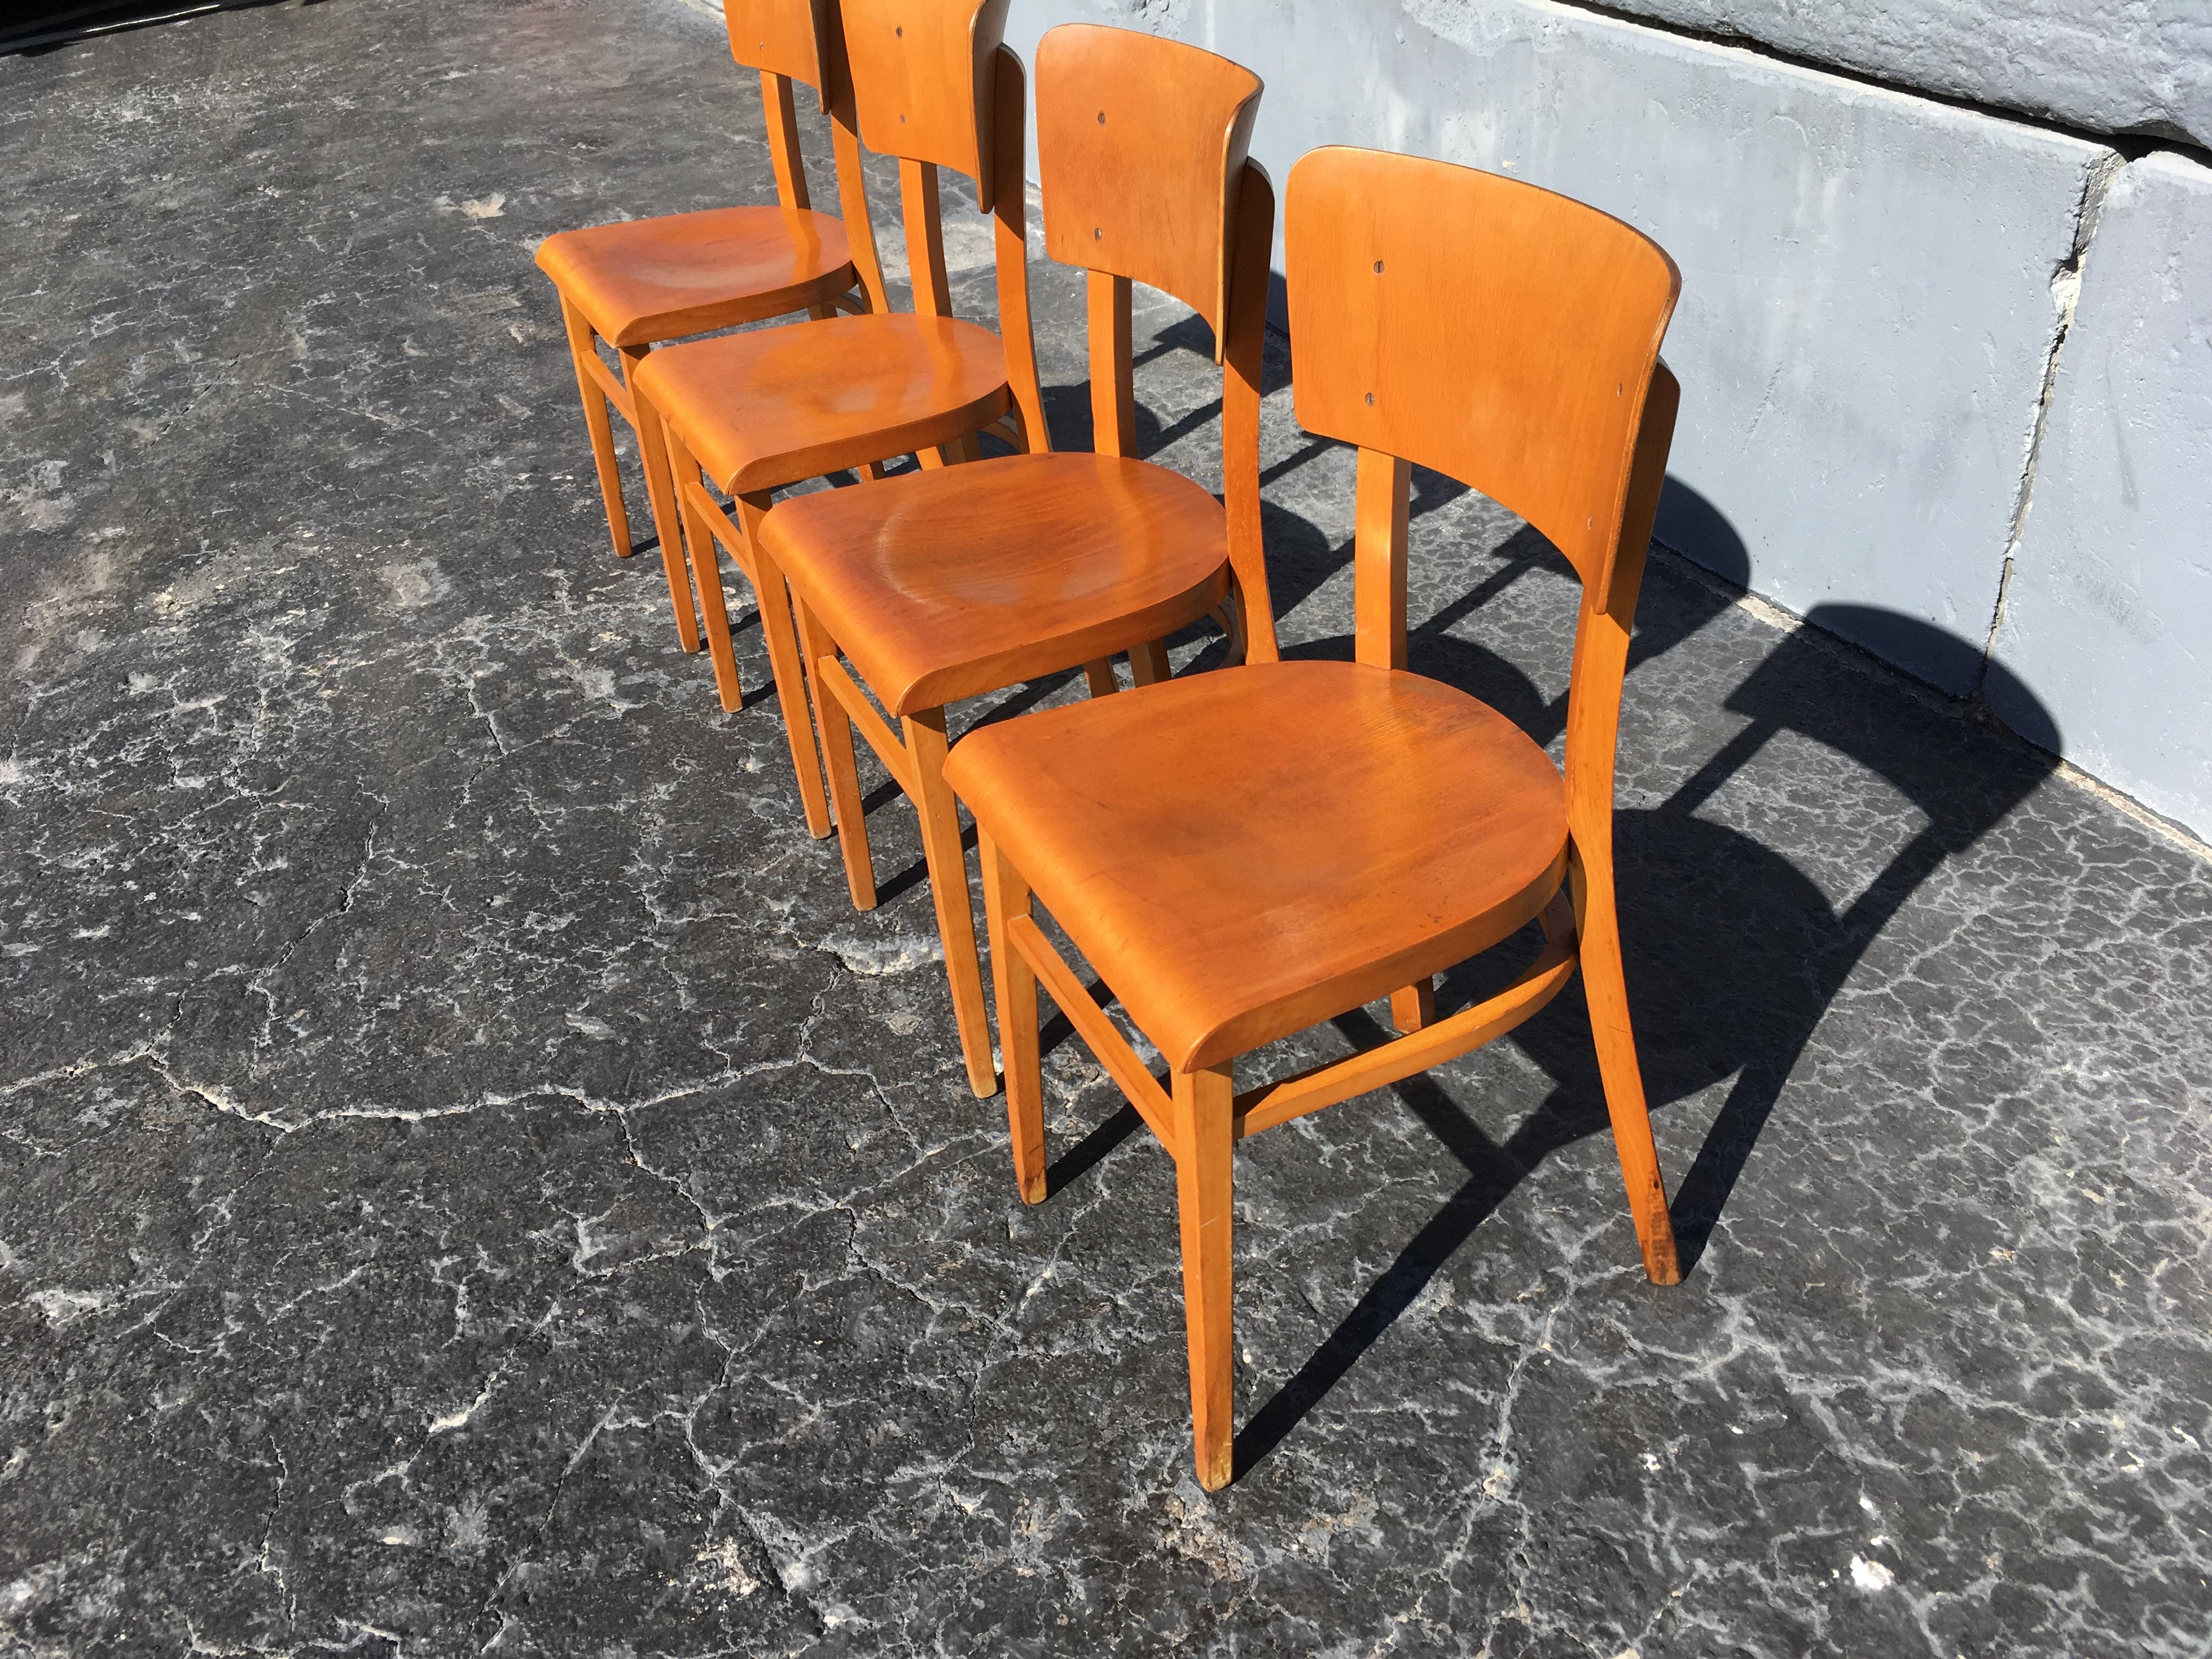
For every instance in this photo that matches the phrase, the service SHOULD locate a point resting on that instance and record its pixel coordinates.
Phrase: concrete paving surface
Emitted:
(469, 1183)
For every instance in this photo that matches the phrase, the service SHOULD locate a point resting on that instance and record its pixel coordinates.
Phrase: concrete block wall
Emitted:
(1884, 293)
(2108, 614)
(2130, 66)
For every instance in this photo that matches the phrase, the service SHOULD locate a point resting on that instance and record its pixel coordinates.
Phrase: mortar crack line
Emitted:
(2066, 297)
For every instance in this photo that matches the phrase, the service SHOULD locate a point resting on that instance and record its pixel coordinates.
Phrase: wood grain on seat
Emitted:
(643, 281)
(947, 585)
(1242, 854)
(766, 409)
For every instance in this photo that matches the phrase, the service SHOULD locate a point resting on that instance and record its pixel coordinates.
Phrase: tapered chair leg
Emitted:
(1204, 1104)
(948, 885)
(1014, 990)
(1606, 989)
(660, 491)
(581, 346)
(1148, 663)
(836, 728)
(699, 531)
(1414, 1007)
(772, 594)
(1229, 613)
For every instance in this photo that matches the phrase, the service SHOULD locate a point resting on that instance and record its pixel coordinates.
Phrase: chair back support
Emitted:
(930, 83)
(781, 37)
(1141, 154)
(923, 77)
(1141, 159)
(1509, 337)
(1480, 326)
(800, 41)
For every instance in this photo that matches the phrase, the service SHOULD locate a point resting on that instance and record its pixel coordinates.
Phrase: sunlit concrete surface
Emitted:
(469, 1182)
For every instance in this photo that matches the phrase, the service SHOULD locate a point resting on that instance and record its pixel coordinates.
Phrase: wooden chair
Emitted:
(640, 282)
(950, 584)
(754, 412)
(1244, 853)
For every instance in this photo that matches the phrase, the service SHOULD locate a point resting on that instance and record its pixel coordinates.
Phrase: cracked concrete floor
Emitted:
(468, 1181)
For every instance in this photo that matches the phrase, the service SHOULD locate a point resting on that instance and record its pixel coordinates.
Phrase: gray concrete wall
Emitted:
(2141, 66)
(2108, 615)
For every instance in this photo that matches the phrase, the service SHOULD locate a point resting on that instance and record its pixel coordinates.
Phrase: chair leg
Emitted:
(660, 491)
(835, 729)
(1014, 989)
(581, 346)
(1414, 1007)
(1606, 989)
(1098, 678)
(772, 594)
(1229, 613)
(1148, 663)
(1204, 1103)
(948, 885)
(700, 532)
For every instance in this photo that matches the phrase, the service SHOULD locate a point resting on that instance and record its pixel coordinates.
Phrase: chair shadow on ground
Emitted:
(1734, 954)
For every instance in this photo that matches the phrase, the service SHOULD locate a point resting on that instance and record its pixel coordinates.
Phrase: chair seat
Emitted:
(1243, 854)
(949, 584)
(647, 280)
(772, 407)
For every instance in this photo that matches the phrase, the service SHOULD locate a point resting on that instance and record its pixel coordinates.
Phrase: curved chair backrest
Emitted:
(1141, 154)
(781, 37)
(1480, 326)
(1509, 337)
(1141, 158)
(924, 73)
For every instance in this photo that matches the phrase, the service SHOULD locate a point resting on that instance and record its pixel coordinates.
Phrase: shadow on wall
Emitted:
(1690, 525)
(1734, 954)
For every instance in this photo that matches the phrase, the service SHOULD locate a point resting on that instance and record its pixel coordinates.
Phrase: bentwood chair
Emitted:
(754, 412)
(1244, 853)
(640, 282)
(952, 584)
